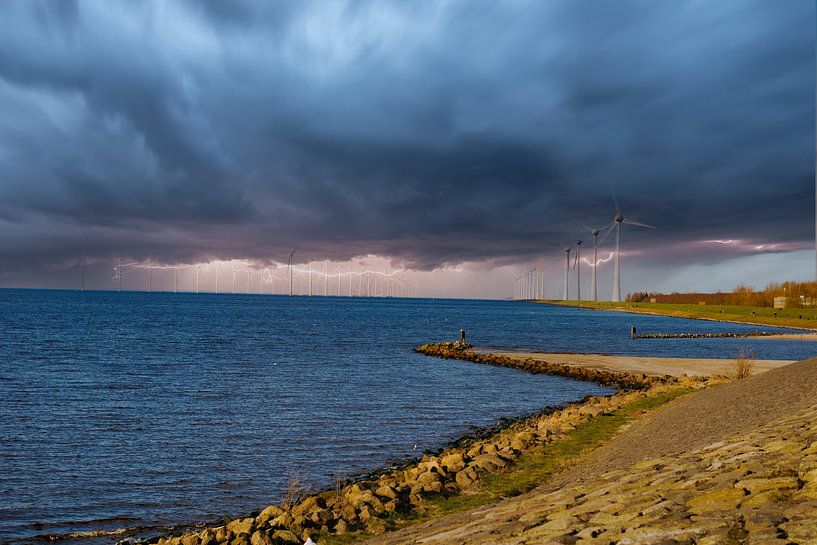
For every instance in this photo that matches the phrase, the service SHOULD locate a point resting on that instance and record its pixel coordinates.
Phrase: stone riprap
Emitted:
(620, 380)
(365, 505)
(704, 335)
(756, 488)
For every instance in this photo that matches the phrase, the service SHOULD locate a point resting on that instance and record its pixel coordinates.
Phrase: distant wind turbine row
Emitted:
(599, 235)
(296, 280)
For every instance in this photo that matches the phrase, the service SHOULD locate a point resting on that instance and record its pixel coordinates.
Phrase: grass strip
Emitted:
(800, 318)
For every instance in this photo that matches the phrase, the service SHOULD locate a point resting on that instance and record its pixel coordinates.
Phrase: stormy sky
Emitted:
(441, 136)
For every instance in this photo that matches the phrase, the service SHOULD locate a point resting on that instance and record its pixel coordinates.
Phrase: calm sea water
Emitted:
(136, 410)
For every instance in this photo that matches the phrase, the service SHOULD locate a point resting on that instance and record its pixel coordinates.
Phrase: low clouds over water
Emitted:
(430, 132)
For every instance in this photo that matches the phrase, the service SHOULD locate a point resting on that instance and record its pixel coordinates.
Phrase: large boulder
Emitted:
(260, 538)
(386, 491)
(488, 462)
(241, 526)
(207, 537)
(453, 462)
(319, 517)
(189, 539)
(428, 477)
(285, 536)
(466, 478)
(306, 505)
(271, 512)
(284, 520)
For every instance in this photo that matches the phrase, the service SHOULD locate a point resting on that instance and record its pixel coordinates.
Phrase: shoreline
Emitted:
(657, 312)
(734, 463)
(390, 498)
(649, 365)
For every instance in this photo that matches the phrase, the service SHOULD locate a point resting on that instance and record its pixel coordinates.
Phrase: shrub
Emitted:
(742, 367)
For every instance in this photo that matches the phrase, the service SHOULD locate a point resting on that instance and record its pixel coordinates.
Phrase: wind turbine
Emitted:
(84, 259)
(289, 265)
(604, 231)
(118, 272)
(566, 292)
(578, 266)
(617, 223)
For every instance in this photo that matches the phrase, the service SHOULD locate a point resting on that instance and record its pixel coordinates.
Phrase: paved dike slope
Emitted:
(731, 464)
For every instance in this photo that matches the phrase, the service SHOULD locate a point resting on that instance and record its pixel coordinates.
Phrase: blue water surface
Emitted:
(148, 410)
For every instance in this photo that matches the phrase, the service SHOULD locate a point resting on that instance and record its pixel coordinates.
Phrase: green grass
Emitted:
(530, 470)
(805, 318)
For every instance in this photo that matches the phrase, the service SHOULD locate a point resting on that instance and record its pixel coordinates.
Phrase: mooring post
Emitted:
(632, 331)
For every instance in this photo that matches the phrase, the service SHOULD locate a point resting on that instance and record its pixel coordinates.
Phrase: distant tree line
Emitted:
(797, 294)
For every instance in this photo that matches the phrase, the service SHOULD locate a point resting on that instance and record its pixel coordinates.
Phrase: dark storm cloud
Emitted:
(430, 132)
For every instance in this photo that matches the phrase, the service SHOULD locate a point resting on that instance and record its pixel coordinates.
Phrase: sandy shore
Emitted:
(646, 365)
(792, 337)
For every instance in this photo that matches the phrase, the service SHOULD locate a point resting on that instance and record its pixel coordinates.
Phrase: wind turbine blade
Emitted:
(615, 199)
(637, 223)
(580, 222)
(576, 260)
(605, 232)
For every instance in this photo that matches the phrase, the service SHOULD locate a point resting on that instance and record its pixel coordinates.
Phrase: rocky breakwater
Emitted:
(704, 335)
(620, 380)
(372, 504)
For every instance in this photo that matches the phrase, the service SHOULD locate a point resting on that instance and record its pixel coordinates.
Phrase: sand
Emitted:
(791, 337)
(648, 365)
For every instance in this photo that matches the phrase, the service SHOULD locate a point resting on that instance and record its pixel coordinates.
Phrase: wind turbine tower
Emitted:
(84, 256)
(578, 267)
(604, 231)
(618, 221)
(289, 265)
(566, 291)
